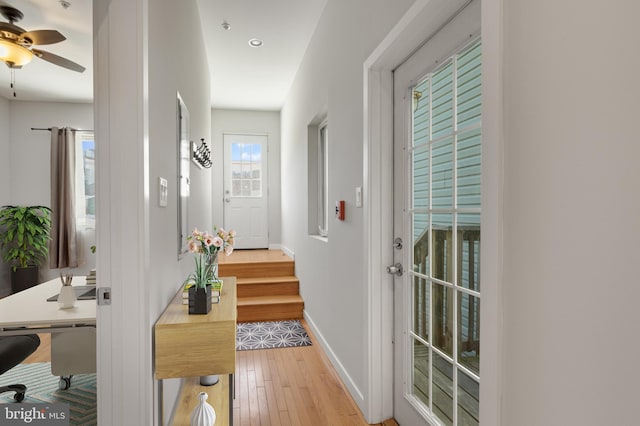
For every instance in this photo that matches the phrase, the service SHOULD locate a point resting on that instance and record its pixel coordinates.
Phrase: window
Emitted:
(323, 181)
(445, 217)
(246, 170)
(318, 177)
(85, 180)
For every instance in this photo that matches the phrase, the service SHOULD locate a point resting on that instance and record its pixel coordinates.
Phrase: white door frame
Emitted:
(124, 370)
(420, 22)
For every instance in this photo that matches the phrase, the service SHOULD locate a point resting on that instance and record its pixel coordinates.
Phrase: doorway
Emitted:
(246, 189)
(437, 171)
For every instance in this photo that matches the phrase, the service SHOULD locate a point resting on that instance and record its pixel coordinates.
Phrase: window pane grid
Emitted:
(246, 170)
(445, 215)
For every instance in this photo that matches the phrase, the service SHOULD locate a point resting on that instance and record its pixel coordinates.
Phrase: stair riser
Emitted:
(270, 312)
(270, 289)
(256, 270)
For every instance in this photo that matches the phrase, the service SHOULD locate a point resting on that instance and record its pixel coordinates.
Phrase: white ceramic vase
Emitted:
(67, 297)
(203, 414)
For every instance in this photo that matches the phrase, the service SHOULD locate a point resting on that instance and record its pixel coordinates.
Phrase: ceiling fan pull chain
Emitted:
(13, 81)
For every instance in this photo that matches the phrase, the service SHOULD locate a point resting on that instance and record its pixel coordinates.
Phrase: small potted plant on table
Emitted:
(206, 246)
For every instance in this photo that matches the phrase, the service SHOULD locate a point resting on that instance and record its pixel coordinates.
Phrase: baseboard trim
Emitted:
(286, 251)
(356, 394)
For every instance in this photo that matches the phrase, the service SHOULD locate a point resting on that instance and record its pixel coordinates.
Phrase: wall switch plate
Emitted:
(163, 192)
(358, 196)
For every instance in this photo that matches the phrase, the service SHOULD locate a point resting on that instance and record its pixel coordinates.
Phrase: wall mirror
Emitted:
(184, 157)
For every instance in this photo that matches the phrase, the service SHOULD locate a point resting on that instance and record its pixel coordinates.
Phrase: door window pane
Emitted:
(443, 318)
(469, 251)
(442, 174)
(421, 243)
(469, 76)
(468, 400)
(442, 247)
(421, 307)
(421, 178)
(468, 169)
(421, 372)
(442, 98)
(421, 121)
(246, 169)
(443, 389)
(469, 331)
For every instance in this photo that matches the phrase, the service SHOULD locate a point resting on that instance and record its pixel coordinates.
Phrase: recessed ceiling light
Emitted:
(255, 42)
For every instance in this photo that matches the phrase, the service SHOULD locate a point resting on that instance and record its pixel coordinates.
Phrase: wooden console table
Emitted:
(199, 345)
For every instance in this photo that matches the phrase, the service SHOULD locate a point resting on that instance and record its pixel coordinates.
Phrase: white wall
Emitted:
(330, 79)
(187, 73)
(29, 160)
(236, 121)
(571, 212)
(5, 184)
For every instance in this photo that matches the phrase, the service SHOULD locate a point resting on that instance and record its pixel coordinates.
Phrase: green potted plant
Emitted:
(24, 241)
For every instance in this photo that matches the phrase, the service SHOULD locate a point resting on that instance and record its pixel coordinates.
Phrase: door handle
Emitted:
(227, 200)
(395, 269)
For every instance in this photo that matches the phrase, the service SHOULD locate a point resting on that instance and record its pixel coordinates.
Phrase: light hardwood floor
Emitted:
(43, 353)
(285, 386)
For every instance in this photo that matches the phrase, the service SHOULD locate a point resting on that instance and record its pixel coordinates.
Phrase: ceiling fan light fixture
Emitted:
(14, 54)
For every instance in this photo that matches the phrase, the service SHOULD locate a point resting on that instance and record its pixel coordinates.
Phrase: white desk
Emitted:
(73, 330)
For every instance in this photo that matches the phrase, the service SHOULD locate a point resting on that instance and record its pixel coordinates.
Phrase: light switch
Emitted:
(163, 192)
(358, 196)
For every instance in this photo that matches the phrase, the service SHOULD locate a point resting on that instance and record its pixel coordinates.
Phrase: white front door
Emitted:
(245, 189)
(437, 145)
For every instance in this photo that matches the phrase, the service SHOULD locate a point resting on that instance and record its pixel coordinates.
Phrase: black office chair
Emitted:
(14, 350)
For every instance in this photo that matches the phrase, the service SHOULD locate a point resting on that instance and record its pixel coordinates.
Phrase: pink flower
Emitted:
(194, 246)
(228, 250)
(208, 240)
(217, 241)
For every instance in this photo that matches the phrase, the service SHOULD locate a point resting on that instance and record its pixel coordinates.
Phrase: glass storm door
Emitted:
(437, 178)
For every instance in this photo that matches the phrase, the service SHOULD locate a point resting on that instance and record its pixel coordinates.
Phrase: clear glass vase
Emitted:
(212, 265)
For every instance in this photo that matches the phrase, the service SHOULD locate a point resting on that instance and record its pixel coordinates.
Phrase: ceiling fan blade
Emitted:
(58, 60)
(40, 37)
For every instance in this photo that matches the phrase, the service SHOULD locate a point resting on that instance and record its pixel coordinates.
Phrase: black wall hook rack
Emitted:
(201, 155)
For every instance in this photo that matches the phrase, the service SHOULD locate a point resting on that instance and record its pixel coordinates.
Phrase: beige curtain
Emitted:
(63, 248)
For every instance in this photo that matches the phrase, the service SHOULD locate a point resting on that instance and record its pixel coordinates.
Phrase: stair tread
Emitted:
(267, 280)
(254, 256)
(267, 300)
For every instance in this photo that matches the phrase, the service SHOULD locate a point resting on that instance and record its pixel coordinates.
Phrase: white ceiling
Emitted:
(242, 77)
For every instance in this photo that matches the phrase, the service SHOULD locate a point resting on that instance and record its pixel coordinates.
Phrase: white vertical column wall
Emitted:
(571, 212)
(174, 68)
(141, 66)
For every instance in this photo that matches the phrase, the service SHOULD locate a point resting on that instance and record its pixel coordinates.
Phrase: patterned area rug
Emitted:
(42, 387)
(271, 334)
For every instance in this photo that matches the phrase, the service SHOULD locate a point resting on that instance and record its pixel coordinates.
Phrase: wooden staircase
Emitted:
(267, 287)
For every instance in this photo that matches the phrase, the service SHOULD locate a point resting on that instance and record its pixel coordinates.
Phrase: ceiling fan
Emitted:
(16, 44)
